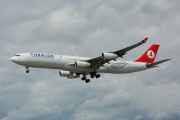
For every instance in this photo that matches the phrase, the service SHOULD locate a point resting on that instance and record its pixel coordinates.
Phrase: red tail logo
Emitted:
(150, 55)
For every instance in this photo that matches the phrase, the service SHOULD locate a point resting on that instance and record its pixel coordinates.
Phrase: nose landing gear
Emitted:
(27, 69)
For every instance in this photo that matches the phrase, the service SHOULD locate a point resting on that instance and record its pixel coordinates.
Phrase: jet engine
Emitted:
(75, 76)
(65, 73)
(82, 64)
(109, 56)
(68, 74)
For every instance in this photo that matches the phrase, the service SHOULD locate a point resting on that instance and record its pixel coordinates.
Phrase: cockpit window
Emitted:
(17, 55)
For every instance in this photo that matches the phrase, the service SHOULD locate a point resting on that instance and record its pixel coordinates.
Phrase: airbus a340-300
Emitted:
(73, 66)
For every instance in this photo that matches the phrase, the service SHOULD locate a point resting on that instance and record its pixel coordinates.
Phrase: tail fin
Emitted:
(150, 55)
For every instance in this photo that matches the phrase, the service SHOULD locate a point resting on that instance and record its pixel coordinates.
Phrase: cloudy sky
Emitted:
(88, 28)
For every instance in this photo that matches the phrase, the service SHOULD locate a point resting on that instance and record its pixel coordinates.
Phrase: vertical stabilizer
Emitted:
(150, 55)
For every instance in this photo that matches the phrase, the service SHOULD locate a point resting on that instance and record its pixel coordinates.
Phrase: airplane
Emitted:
(73, 66)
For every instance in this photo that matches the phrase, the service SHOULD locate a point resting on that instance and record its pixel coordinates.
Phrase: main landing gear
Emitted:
(85, 78)
(27, 69)
(92, 75)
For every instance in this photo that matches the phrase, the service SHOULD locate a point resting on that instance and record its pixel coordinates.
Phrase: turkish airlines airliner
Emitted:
(73, 67)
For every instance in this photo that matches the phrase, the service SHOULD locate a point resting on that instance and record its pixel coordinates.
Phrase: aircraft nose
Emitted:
(12, 59)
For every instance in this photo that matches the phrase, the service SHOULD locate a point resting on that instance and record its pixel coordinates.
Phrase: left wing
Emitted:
(106, 57)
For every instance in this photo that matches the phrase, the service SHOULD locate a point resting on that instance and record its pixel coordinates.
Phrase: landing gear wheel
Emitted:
(83, 78)
(87, 81)
(27, 71)
(98, 75)
(92, 76)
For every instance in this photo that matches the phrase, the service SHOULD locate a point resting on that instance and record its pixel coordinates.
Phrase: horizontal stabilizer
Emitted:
(156, 63)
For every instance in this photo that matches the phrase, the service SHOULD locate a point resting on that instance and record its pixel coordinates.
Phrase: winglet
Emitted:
(144, 40)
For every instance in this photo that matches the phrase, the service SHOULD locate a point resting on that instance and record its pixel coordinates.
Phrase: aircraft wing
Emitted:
(99, 61)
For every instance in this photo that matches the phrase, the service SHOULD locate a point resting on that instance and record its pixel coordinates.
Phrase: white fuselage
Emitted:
(62, 62)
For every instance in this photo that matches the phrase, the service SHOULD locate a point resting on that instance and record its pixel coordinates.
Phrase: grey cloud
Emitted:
(88, 28)
(18, 11)
(67, 21)
(161, 7)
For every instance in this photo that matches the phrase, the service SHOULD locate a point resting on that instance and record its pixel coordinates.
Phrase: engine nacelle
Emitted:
(68, 74)
(82, 64)
(74, 76)
(65, 73)
(109, 56)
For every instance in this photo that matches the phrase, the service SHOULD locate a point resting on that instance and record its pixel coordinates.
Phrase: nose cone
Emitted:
(12, 59)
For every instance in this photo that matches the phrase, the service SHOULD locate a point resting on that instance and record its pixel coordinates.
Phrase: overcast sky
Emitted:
(88, 28)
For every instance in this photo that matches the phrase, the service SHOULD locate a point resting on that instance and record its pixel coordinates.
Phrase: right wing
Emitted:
(99, 61)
